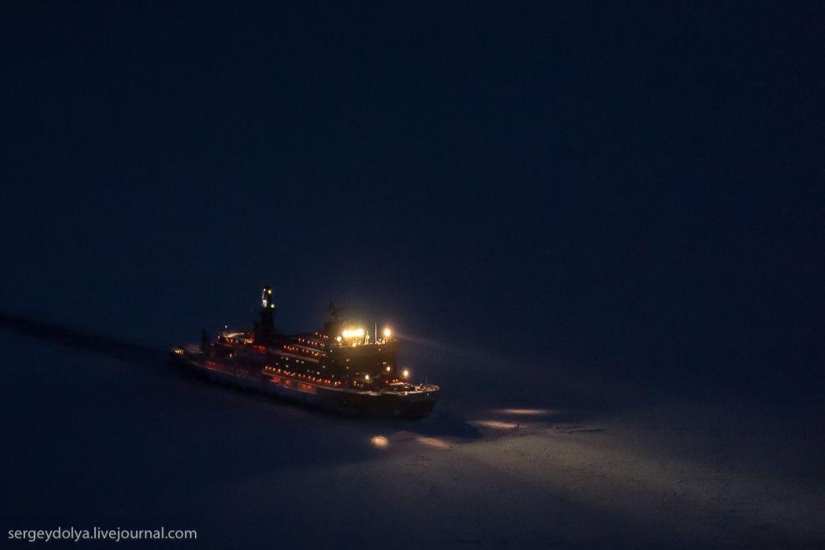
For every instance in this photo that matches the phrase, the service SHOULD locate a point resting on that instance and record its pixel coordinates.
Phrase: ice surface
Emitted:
(113, 435)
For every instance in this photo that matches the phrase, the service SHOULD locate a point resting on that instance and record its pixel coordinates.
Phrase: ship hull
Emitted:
(412, 405)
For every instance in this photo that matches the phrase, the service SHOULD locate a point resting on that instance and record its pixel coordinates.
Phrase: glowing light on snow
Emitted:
(379, 442)
(496, 424)
(433, 442)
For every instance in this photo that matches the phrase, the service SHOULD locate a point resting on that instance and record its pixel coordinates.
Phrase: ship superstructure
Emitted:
(341, 367)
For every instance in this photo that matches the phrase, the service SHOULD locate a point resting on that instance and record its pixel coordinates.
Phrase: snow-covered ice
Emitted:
(97, 438)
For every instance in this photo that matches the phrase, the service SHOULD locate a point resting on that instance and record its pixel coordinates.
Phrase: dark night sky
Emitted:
(635, 189)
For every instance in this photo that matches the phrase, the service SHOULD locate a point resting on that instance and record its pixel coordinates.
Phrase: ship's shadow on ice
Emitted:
(81, 340)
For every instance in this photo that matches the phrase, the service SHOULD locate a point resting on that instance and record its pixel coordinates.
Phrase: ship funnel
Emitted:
(205, 341)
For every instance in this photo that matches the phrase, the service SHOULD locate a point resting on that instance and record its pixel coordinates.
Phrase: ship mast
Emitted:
(266, 325)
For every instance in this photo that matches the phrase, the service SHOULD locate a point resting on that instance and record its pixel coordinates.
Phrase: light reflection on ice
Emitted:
(433, 442)
(496, 424)
(379, 442)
